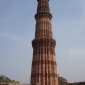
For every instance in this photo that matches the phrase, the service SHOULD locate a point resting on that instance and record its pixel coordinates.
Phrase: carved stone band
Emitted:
(43, 62)
(44, 75)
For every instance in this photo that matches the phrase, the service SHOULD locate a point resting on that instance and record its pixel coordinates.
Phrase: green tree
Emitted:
(4, 78)
(62, 81)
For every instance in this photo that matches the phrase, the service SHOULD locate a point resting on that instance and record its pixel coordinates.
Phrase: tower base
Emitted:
(34, 84)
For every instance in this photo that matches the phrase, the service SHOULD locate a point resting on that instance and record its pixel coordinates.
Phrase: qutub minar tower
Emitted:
(44, 71)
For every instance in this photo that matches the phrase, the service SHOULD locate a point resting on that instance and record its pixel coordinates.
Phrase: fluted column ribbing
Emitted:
(44, 71)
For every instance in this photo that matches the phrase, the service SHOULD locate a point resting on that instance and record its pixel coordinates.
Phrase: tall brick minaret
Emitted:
(44, 71)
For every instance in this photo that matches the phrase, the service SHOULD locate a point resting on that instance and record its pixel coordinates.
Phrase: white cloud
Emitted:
(73, 62)
(77, 51)
(82, 5)
(9, 36)
(12, 37)
(83, 8)
(74, 52)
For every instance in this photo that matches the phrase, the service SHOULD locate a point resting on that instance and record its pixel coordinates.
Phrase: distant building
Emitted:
(77, 83)
(34, 84)
(63, 81)
(10, 83)
(6, 81)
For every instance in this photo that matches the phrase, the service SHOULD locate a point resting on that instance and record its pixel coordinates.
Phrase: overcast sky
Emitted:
(17, 30)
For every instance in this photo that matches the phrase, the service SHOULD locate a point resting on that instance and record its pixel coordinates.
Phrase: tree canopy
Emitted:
(5, 79)
(62, 81)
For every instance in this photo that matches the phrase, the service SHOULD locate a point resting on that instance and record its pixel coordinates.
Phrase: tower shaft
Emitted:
(44, 69)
